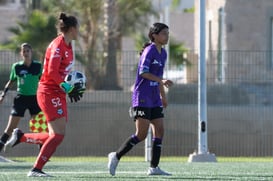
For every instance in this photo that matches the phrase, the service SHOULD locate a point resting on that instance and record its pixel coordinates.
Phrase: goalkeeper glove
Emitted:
(67, 88)
(76, 94)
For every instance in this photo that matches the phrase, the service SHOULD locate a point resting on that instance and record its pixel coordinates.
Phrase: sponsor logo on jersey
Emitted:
(56, 53)
(23, 72)
(157, 62)
(153, 83)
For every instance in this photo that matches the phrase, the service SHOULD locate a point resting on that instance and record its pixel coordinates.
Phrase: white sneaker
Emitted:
(156, 171)
(14, 140)
(112, 163)
(37, 173)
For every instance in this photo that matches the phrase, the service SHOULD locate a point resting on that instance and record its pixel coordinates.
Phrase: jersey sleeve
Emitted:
(55, 57)
(13, 76)
(145, 61)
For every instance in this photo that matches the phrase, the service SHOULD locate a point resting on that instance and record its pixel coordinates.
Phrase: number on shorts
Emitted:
(56, 102)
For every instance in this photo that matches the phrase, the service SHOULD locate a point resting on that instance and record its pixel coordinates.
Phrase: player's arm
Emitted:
(167, 83)
(144, 71)
(144, 68)
(162, 83)
(12, 78)
(6, 88)
(163, 96)
(53, 71)
(54, 64)
(152, 77)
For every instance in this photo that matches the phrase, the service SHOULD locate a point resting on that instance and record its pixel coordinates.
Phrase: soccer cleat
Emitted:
(37, 173)
(112, 163)
(156, 171)
(14, 140)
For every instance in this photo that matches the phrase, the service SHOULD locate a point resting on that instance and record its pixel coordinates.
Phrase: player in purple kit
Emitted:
(148, 99)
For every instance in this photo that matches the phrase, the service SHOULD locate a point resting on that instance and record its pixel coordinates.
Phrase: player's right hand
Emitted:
(67, 88)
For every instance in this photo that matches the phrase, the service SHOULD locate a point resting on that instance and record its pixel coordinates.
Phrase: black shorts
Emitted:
(21, 103)
(148, 113)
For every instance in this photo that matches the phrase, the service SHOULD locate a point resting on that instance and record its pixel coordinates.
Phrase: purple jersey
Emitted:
(146, 92)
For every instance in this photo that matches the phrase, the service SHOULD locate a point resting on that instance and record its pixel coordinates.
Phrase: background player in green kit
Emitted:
(26, 73)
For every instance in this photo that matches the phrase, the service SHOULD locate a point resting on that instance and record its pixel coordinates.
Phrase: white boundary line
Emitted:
(76, 172)
(3, 159)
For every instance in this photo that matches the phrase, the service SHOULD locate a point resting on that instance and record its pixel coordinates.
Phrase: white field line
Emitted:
(77, 172)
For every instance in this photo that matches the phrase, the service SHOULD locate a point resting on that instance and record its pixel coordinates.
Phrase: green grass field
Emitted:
(134, 169)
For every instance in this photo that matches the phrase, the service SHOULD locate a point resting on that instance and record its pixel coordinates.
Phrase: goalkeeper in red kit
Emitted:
(51, 95)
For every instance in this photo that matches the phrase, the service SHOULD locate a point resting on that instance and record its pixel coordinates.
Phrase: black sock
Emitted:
(156, 152)
(127, 146)
(36, 170)
(4, 138)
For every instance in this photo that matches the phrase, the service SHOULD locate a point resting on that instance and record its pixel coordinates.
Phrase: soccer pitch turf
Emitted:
(134, 169)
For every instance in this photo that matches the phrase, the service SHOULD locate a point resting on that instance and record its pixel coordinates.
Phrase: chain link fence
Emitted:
(239, 97)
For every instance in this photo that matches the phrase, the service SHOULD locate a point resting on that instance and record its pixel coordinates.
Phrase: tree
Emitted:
(101, 31)
(121, 18)
(110, 46)
(103, 23)
(38, 31)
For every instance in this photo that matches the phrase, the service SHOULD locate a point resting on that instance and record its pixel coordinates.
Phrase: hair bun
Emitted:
(62, 16)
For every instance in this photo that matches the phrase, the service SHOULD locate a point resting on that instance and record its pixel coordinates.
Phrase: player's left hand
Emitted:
(75, 97)
(164, 102)
(76, 94)
(167, 83)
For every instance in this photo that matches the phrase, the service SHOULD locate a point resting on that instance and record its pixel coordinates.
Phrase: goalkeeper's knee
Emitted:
(56, 139)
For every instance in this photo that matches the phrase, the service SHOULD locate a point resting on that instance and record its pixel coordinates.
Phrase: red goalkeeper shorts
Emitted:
(53, 105)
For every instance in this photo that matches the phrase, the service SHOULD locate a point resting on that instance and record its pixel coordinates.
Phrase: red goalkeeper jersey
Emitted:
(58, 62)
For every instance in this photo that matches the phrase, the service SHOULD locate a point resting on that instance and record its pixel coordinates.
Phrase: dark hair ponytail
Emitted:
(155, 29)
(65, 22)
(62, 16)
(144, 46)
